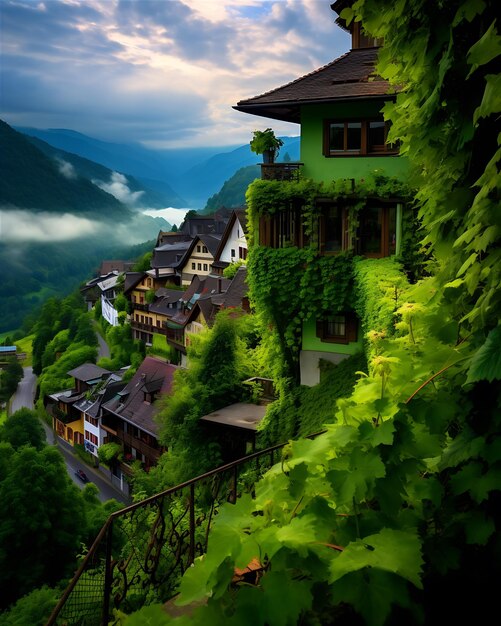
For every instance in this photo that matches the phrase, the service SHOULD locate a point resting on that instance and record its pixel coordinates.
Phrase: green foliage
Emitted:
(300, 411)
(107, 452)
(150, 296)
(143, 264)
(263, 140)
(23, 428)
(230, 271)
(33, 609)
(121, 303)
(40, 521)
(391, 516)
(289, 285)
(10, 375)
(55, 377)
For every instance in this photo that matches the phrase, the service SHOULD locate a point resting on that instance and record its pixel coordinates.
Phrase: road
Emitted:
(104, 350)
(24, 397)
(25, 394)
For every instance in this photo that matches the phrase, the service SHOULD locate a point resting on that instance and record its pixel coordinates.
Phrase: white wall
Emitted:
(234, 241)
(109, 313)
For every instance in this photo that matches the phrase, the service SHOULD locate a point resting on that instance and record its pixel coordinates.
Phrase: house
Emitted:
(115, 265)
(233, 244)
(128, 417)
(109, 291)
(199, 257)
(91, 291)
(343, 139)
(63, 406)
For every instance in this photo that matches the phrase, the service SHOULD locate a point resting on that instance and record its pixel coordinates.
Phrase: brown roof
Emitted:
(88, 372)
(235, 293)
(240, 415)
(345, 78)
(132, 279)
(115, 266)
(153, 375)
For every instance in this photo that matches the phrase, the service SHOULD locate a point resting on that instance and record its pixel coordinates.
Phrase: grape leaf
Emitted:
(391, 550)
(486, 363)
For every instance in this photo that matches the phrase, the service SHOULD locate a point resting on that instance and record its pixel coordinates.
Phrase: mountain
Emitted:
(134, 192)
(194, 173)
(30, 180)
(232, 193)
(203, 180)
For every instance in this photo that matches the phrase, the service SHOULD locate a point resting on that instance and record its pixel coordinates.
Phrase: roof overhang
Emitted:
(291, 111)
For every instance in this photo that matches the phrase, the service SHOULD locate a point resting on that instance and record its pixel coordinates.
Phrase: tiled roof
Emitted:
(88, 371)
(236, 291)
(344, 79)
(170, 255)
(115, 265)
(152, 375)
(132, 279)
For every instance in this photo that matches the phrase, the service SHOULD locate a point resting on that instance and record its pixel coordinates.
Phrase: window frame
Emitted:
(365, 150)
(351, 328)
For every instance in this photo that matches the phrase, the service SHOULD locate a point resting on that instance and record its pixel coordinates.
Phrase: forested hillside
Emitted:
(232, 193)
(30, 180)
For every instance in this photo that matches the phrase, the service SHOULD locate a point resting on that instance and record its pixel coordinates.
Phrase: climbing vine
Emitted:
(393, 515)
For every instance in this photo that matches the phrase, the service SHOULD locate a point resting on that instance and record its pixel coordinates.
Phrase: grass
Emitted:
(25, 345)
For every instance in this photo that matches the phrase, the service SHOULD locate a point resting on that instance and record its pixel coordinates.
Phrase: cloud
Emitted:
(171, 214)
(118, 187)
(66, 169)
(17, 226)
(157, 72)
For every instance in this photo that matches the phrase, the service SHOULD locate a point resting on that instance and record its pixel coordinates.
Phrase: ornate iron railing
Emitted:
(142, 550)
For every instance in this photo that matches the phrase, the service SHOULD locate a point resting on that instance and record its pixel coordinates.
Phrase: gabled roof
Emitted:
(115, 266)
(132, 279)
(170, 254)
(167, 297)
(88, 372)
(99, 279)
(344, 79)
(210, 241)
(153, 375)
(236, 291)
(239, 214)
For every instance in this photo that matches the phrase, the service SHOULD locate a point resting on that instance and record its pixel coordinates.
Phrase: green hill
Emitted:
(232, 193)
(30, 180)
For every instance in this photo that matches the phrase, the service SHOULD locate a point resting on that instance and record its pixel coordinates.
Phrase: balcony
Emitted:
(280, 171)
(140, 306)
(149, 328)
(150, 450)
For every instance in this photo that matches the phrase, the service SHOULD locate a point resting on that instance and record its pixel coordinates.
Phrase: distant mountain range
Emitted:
(191, 174)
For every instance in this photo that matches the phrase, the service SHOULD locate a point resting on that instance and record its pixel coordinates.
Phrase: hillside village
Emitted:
(185, 287)
(377, 362)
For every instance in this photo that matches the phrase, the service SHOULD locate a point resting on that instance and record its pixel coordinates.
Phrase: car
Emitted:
(82, 475)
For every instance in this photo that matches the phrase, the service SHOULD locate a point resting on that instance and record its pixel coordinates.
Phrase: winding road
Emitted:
(25, 397)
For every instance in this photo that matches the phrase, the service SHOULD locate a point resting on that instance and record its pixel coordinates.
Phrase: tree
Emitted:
(23, 428)
(9, 378)
(41, 521)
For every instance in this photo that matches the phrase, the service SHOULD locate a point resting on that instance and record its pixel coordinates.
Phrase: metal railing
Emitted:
(142, 550)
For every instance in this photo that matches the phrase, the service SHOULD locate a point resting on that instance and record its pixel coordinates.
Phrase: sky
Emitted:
(163, 73)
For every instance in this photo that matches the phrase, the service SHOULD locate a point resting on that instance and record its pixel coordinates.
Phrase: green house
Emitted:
(353, 202)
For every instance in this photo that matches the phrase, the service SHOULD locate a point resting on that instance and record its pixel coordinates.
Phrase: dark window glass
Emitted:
(336, 326)
(336, 140)
(392, 230)
(376, 136)
(353, 136)
(333, 229)
(370, 230)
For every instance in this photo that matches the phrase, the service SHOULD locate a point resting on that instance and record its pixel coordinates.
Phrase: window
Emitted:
(377, 231)
(193, 266)
(357, 137)
(333, 229)
(204, 249)
(91, 420)
(90, 437)
(199, 248)
(242, 253)
(338, 328)
(232, 253)
(206, 268)
(285, 228)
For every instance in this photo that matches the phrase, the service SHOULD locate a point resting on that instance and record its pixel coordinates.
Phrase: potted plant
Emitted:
(264, 142)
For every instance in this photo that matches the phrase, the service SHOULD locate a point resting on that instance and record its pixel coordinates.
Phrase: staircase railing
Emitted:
(142, 550)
